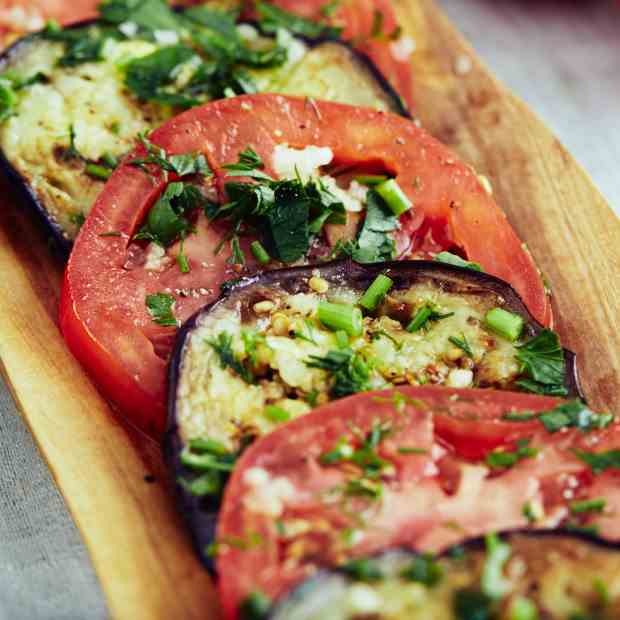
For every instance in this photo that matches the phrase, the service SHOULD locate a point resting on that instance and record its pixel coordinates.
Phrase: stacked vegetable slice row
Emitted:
(112, 331)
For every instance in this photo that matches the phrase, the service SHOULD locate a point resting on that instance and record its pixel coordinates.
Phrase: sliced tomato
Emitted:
(289, 510)
(379, 38)
(103, 314)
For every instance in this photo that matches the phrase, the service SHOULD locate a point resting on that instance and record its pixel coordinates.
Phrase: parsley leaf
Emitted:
(350, 372)
(452, 259)
(374, 244)
(423, 569)
(161, 309)
(222, 345)
(500, 459)
(80, 44)
(574, 414)
(363, 569)
(167, 220)
(273, 17)
(600, 461)
(147, 15)
(542, 360)
(181, 165)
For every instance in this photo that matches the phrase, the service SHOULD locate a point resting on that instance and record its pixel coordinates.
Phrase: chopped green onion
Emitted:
(210, 446)
(276, 414)
(420, 319)
(98, 172)
(204, 462)
(394, 196)
(342, 339)
(341, 316)
(109, 160)
(504, 323)
(493, 582)
(182, 261)
(452, 259)
(523, 609)
(260, 254)
(376, 292)
(371, 179)
(209, 483)
(588, 505)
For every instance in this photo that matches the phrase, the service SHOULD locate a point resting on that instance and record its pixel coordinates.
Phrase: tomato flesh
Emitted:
(103, 314)
(302, 518)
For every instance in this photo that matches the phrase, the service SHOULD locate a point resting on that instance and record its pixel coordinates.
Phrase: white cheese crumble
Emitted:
(460, 378)
(402, 48)
(287, 162)
(363, 599)
(266, 495)
(156, 258)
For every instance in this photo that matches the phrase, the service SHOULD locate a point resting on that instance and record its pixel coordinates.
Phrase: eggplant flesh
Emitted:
(545, 576)
(270, 323)
(92, 101)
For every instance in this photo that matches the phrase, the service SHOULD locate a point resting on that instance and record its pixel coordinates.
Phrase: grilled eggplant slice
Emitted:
(68, 121)
(523, 576)
(264, 346)
(266, 325)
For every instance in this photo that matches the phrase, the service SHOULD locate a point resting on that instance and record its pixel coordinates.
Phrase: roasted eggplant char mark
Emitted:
(423, 468)
(74, 100)
(518, 576)
(284, 342)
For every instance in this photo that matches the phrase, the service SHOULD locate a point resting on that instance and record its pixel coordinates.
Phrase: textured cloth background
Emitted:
(45, 571)
(562, 57)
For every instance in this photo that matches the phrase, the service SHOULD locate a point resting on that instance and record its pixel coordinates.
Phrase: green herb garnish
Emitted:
(500, 459)
(161, 309)
(350, 371)
(222, 345)
(462, 344)
(542, 361)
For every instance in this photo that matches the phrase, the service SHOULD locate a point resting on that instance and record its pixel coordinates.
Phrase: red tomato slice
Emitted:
(301, 514)
(103, 314)
(387, 49)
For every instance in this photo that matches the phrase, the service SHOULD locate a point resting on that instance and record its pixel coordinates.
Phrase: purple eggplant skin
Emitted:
(289, 606)
(32, 201)
(202, 516)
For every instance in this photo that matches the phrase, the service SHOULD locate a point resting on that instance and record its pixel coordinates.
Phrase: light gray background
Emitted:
(562, 57)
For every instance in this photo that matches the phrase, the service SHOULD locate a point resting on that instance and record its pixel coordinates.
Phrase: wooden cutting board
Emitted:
(138, 545)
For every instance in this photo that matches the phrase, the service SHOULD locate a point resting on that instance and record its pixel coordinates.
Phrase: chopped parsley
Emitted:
(363, 569)
(272, 17)
(542, 362)
(77, 218)
(181, 165)
(374, 242)
(255, 606)
(600, 461)
(574, 414)
(365, 457)
(500, 459)
(168, 219)
(209, 463)
(350, 371)
(472, 604)
(588, 505)
(427, 313)
(286, 214)
(492, 580)
(453, 259)
(161, 309)
(222, 345)
(462, 344)
(423, 569)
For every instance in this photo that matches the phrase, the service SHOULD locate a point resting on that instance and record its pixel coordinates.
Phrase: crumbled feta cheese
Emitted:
(287, 162)
(460, 378)
(156, 258)
(350, 202)
(402, 48)
(364, 600)
(266, 495)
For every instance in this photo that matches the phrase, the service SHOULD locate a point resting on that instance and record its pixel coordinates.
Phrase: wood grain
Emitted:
(139, 548)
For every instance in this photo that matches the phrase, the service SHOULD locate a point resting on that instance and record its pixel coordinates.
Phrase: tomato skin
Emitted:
(427, 490)
(104, 317)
